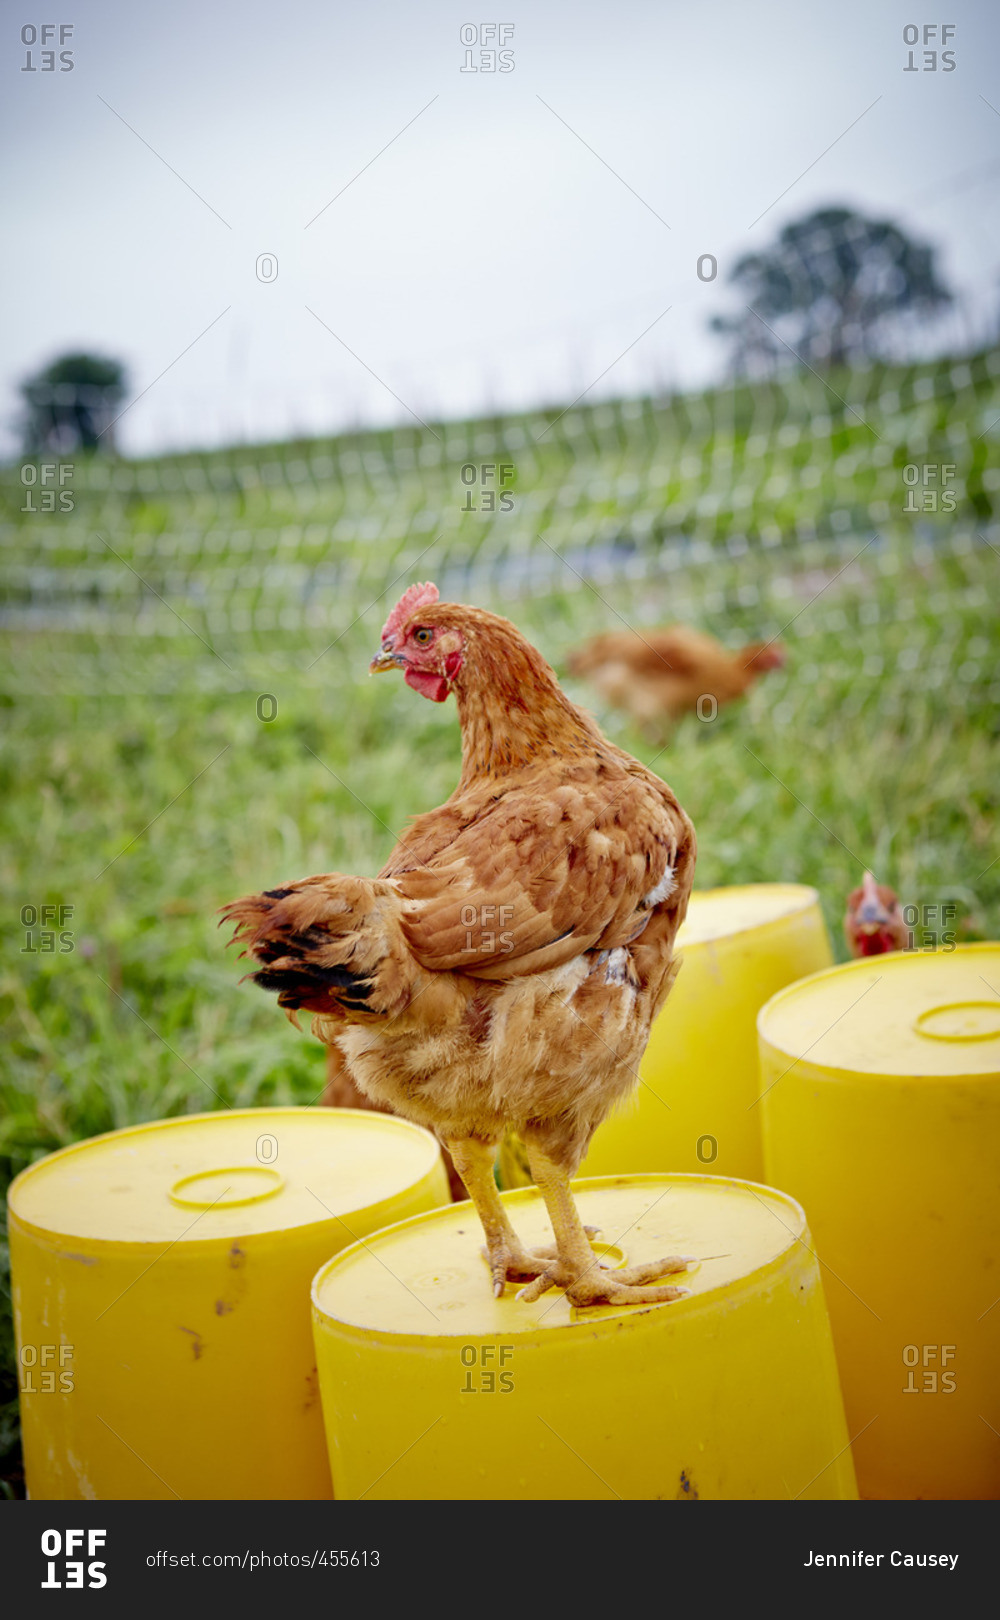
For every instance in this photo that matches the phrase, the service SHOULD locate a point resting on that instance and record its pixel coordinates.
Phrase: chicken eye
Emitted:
(423, 636)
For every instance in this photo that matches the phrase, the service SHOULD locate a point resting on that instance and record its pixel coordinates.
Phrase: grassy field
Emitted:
(152, 625)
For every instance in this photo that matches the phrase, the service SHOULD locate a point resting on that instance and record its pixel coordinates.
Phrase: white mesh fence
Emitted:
(730, 508)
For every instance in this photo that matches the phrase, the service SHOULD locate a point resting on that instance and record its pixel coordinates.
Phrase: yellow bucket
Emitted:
(161, 1285)
(693, 1111)
(881, 1114)
(434, 1389)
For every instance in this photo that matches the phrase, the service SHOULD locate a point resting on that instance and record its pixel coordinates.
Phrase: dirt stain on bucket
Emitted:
(197, 1342)
(235, 1286)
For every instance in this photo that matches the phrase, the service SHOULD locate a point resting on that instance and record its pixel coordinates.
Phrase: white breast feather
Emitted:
(666, 886)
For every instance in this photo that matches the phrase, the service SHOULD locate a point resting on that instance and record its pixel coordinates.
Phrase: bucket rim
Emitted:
(609, 1319)
(807, 896)
(892, 962)
(46, 1234)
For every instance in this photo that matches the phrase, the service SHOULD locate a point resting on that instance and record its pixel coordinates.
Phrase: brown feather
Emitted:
(506, 964)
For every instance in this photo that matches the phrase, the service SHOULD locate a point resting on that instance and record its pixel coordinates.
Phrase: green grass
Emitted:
(140, 788)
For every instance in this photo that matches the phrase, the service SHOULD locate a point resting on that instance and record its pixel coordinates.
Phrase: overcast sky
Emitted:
(506, 247)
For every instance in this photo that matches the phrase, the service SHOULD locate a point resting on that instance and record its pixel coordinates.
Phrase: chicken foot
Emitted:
(507, 1256)
(508, 1259)
(577, 1269)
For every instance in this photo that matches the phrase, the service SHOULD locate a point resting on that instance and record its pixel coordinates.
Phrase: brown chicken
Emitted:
(874, 921)
(340, 1091)
(662, 674)
(504, 968)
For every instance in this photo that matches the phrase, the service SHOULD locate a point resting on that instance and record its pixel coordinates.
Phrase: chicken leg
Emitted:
(507, 1256)
(576, 1268)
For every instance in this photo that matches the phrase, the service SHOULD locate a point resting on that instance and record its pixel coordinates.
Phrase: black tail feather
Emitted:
(299, 985)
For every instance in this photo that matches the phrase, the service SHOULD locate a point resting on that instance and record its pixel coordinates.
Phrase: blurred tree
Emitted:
(836, 287)
(71, 404)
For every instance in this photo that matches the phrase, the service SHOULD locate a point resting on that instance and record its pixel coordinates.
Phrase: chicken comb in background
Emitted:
(415, 596)
(873, 923)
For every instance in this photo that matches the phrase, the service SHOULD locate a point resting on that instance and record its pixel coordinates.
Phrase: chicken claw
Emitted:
(598, 1286)
(510, 1262)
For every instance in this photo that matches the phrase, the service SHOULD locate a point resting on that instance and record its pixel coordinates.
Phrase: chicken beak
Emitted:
(386, 659)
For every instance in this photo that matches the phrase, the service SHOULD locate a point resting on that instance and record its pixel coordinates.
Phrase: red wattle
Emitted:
(427, 684)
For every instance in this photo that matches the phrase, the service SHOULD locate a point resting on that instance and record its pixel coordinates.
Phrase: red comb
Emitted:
(416, 596)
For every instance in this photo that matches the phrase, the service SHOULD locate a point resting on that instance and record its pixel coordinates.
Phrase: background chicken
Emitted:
(662, 674)
(873, 923)
(504, 968)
